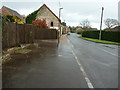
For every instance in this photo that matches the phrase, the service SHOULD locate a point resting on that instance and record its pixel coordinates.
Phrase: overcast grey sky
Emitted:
(74, 11)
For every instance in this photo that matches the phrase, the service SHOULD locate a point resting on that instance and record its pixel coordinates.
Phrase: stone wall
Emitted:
(44, 13)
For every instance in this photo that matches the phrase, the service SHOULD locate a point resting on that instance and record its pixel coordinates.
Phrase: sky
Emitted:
(73, 12)
(119, 11)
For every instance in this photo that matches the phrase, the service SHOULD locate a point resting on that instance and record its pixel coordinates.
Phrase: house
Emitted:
(65, 28)
(51, 19)
(7, 11)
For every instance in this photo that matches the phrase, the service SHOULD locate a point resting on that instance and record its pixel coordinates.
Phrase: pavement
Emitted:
(75, 63)
(53, 67)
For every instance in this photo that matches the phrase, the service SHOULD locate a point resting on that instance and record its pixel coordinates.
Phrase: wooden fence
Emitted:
(45, 33)
(15, 34)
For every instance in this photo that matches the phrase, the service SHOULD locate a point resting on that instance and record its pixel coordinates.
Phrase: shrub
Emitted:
(41, 23)
(31, 17)
(79, 31)
(106, 35)
(14, 19)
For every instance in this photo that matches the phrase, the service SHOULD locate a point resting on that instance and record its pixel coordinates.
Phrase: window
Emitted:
(51, 24)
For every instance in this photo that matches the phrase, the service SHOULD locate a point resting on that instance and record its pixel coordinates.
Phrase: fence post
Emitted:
(24, 34)
(8, 43)
(16, 35)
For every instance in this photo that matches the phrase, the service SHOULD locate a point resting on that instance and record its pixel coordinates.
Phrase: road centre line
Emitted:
(81, 68)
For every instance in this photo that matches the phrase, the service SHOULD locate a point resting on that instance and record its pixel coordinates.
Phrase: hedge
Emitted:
(106, 35)
(31, 17)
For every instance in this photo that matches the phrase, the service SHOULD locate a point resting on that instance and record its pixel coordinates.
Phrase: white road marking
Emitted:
(104, 50)
(109, 52)
(89, 83)
(82, 69)
(60, 55)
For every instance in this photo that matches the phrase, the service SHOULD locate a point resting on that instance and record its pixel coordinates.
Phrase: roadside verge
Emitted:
(100, 41)
(23, 50)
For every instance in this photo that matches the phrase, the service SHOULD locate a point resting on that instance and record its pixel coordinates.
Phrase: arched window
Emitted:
(51, 24)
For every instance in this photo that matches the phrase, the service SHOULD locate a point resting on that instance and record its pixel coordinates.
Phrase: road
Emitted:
(100, 61)
(76, 63)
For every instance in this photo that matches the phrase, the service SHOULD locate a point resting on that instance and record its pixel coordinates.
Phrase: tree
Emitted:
(79, 30)
(110, 23)
(10, 18)
(31, 17)
(72, 29)
(85, 24)
(14, 19)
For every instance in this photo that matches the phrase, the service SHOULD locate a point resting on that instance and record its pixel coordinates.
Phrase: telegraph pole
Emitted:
(60, 19)
(101, 24)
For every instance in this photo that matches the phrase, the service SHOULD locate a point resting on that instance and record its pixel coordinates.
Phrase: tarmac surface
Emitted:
(75, 63)
(100, 61)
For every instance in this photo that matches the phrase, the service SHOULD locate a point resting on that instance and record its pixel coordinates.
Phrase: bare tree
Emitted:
(85, 24)
(110, 23)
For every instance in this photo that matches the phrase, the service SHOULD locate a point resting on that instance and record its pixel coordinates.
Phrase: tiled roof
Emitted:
(7, 11)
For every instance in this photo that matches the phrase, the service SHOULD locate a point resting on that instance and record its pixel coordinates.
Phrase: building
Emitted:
(7, 11)
(65, 29)
(51, 19)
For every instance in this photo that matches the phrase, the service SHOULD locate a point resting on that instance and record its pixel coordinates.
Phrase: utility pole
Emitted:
(101, 24)
(60, 19)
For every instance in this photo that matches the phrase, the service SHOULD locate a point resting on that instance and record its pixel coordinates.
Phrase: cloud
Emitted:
(25, 11)
(119, 12)
(59, 0)
(73, 11)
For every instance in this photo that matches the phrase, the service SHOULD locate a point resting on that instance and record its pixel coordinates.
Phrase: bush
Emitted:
(40, 23)
(14, 19)
(79, 31)
(106, 35)
(31, 17)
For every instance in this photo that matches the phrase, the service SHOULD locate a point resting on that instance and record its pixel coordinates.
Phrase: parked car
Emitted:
(68, 33)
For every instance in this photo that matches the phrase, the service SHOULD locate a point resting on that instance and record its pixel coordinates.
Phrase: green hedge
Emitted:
(106, 35)
(31, 17)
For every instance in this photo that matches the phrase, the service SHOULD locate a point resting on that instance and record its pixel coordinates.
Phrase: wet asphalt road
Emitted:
(56, 67)
(100, 61)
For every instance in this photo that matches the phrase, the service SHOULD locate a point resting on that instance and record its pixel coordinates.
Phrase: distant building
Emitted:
(64, 28)
(51, 19)
(7, 11)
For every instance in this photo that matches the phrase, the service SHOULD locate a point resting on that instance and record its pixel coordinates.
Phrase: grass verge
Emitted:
(22, 51)
(101, 41)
